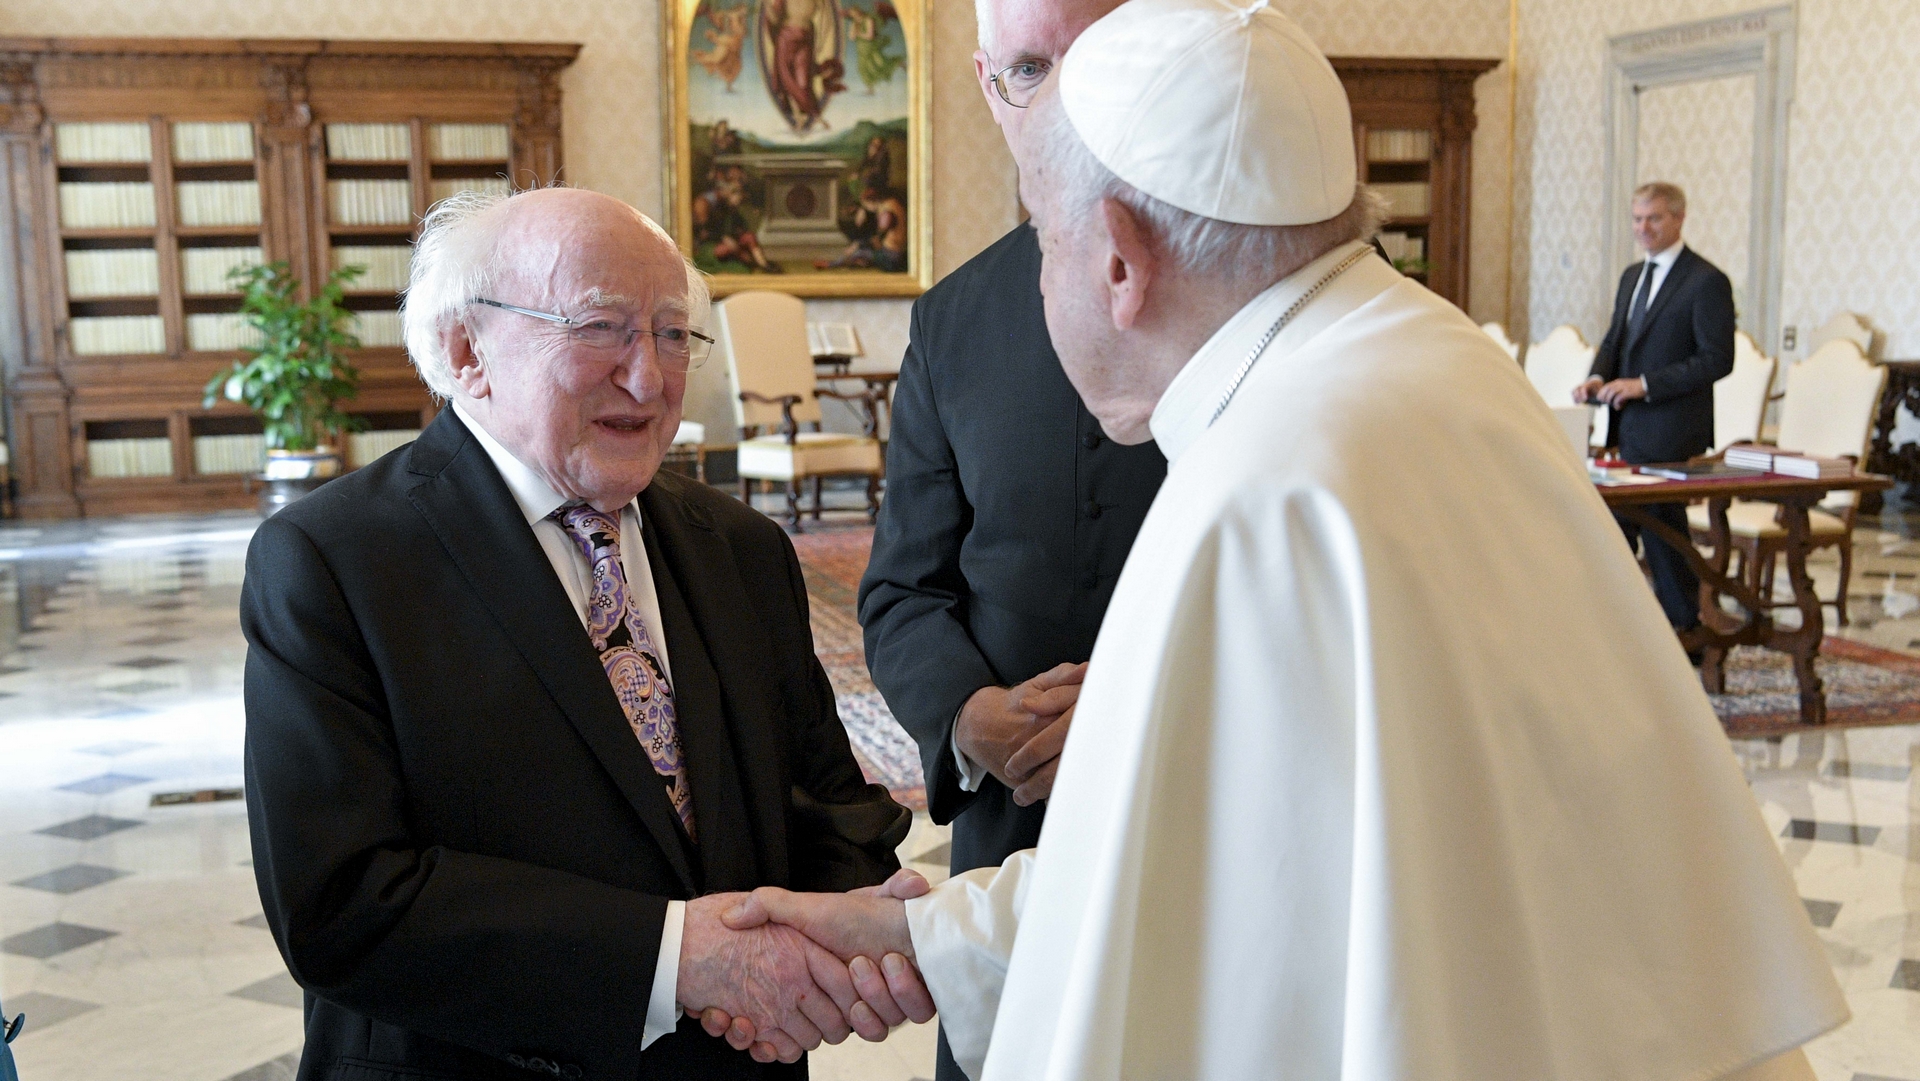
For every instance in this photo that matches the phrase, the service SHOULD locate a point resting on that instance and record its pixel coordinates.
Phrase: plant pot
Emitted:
(319, 463)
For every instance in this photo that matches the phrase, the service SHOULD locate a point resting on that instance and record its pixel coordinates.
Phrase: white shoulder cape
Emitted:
(1387, 768)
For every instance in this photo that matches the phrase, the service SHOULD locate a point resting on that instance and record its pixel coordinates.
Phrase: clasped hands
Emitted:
(1598, 391)
(777, 973)
(1017, 733)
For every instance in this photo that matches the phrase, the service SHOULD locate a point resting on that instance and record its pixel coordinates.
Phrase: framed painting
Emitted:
(797, 144)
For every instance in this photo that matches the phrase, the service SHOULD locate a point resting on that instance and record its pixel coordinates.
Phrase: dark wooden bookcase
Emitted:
(60, 399)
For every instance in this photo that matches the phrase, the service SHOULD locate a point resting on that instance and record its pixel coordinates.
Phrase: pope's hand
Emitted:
(999, 723)
(865, 923)
(792, 991)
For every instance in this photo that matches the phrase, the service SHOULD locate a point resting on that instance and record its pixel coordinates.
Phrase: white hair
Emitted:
(983, 15)
(1076, 182)
(457, 259)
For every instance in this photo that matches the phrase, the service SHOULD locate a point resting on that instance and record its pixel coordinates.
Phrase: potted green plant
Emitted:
(297, 376)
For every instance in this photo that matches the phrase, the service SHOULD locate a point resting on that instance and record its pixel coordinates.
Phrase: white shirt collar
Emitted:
(1664, 259)
(1186, 409)
(536, 497)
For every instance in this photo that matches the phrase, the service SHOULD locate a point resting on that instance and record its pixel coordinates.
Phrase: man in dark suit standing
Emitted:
(523, 712)
(1008, 513)
(1670, 340)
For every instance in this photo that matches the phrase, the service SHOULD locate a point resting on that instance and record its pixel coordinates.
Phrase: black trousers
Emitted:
(1674, 583)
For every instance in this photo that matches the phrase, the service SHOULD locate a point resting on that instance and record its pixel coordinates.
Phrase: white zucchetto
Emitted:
(1225, 111)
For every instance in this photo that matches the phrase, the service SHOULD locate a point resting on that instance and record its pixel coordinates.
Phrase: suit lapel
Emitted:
(742, 753)
(483, 530)
(1676, 277)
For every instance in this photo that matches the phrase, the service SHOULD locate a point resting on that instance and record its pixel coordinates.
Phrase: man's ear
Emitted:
(1131, 263)
(981, 63)
(463, 358)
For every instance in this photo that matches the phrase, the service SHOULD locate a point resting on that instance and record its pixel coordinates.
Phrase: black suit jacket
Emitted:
(1683, 346)
(462, 850)
(1008, 517)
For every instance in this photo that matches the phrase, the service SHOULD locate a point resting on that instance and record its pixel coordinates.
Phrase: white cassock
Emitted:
(1387, 767)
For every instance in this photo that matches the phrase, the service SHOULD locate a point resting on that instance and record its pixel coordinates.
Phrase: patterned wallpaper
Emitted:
(1686, 139)
(1853, 150)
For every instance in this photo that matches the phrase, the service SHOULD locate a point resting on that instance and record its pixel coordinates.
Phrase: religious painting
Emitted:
(797, 144)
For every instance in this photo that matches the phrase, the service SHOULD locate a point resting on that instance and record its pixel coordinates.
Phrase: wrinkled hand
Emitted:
(792, 991)
(997, 724)
(890, 993)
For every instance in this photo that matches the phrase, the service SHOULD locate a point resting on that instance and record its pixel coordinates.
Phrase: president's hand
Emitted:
(998, 723)
(794, 993)
(1620, 392)
(1586, 391)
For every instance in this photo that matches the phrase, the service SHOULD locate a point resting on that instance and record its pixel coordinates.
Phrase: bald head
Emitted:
(1016, 32)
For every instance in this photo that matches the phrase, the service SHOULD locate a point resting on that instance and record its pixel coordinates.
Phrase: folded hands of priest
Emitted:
(783, 972)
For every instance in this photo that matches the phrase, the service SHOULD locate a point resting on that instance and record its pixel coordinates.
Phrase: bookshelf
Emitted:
(1413, 122)
(135, 173)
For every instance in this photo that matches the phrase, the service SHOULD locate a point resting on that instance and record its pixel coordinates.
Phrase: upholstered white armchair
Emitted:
(1499, 334)
(1740, 399)
(770, 370)
(1557, 365)
(1828, 410)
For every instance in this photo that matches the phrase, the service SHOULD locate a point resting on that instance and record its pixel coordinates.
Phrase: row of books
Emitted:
(215, 141)
(492, 185)
(1408, 200)
(1787, 462)
(363, 448)
(369, 142)
(370, 202)
(377, 328)
(106, 205)
(467, 142)
(113, 272)
(1403, 247)
(203, 271)
(386, 265)
(220, 332)
(833, 340)
(130, 457)
(218, 202)
(111, 335)
(229, 453)
(1402, 145)
(102, 142)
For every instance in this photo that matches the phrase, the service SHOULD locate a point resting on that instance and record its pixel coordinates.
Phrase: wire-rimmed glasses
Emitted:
(1019, 81)
(679, 347)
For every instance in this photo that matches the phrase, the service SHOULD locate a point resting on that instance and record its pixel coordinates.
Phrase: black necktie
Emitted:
(1637, 313)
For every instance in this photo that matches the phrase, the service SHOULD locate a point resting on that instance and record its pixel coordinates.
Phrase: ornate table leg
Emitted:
(1804, 642)
(1712, 637)
(1713, 653)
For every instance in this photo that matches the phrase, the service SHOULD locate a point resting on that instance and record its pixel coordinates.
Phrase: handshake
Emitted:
(776, 973)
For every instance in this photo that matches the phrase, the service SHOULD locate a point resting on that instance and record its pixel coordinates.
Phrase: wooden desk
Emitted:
(1720, 631)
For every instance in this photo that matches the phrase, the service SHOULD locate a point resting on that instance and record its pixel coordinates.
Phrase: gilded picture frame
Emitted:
(798, 143)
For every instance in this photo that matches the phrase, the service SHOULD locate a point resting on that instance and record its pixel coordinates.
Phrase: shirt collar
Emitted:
(536, 497)
(1186, 409)
(1664, 259)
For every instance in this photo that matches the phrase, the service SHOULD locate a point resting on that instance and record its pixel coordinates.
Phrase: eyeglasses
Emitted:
(679, 348)
(1018, 83)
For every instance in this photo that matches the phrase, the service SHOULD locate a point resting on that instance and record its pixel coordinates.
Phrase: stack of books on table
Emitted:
(1789, 463)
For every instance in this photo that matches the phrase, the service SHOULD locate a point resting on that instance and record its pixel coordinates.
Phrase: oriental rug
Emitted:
(832, 559)
(1865, 686)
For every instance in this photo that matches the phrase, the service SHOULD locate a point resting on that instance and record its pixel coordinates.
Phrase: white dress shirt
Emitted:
(538, 501)
(1658, 264)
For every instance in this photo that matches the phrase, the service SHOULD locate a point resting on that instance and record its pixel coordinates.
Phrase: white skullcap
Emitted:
(1225, 111)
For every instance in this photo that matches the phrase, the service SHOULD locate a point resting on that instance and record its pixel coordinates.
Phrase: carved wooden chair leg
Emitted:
(793, 506)
(816, 498)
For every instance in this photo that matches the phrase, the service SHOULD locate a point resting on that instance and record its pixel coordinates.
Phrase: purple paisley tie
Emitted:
(627, 653)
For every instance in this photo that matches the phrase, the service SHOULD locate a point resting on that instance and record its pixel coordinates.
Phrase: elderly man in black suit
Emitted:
(1008, 514)
(1670, 340)
(524, 714)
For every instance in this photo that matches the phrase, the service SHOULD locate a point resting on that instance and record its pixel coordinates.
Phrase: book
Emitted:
(113, 272)
(387, 265)
(221, 141)
(1750, 457)
(229, 453)
(490, 185)
(377, 328)
(110, 458)
(833, 340)
(1405, 200)
(220, 332)
(467, 142)
(1700, 471)
(111, 335)
(1812, 468)
(103, 142)
(106, 204)
(218, 202)
(370, 202)
(363, 448)
(1407, 144)
(369, 142)
(203, 271)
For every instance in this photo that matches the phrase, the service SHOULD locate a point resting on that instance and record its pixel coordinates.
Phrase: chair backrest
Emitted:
(1740, 399)
(1576, 421)
(763, 336)
(1847, 326)
(1557, 365)
(1830, 401)
(1499, 334)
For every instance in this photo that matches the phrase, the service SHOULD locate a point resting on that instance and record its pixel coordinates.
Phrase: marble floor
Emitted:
(131, 935)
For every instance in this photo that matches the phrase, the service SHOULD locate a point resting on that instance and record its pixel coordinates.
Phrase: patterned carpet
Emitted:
(833, 559)
(1865, 686)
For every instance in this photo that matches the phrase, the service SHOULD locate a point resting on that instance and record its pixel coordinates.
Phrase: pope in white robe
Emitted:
(1387, 766)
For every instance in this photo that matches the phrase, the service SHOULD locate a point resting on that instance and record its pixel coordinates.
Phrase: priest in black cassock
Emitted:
(1008, 513)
